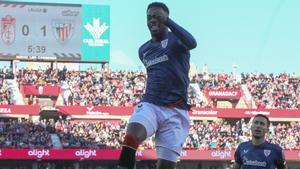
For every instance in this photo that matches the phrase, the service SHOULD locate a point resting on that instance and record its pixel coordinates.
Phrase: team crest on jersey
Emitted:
(164, 43)
(267, 152)
(245, 151)
(63, 30)
(8, 29)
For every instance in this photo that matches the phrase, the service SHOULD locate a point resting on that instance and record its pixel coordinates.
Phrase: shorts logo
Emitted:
(267, 152)
(8, 29)
(140, 106)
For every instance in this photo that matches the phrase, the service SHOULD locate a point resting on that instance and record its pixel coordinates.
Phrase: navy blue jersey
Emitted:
(264, 156)
(167, 64)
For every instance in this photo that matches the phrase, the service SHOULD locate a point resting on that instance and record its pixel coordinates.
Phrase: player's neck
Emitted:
(257, 141)
(158, 38)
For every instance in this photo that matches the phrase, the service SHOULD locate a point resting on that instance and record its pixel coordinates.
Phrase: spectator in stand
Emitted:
(24, 134)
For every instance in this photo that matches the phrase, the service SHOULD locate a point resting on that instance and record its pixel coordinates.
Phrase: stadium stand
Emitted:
(106, 99)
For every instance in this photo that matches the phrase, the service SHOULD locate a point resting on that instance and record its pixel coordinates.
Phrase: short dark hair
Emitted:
(264, 116)
(159, 4)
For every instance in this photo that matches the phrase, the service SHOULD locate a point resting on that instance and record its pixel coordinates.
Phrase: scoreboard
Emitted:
(54, 31)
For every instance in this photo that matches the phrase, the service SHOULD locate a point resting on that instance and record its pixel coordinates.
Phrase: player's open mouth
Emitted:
(257, 131)
(154, 28)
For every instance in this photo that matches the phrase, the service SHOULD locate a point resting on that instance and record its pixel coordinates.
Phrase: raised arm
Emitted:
(184, 36)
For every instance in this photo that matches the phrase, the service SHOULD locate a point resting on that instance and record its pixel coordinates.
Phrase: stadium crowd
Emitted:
(125, 88)
(25, 134)
(204, 135)
(271, 91)
(4, 94)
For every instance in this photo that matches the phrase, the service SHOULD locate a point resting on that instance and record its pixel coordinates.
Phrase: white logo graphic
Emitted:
(90, 108)
(5, 110)
(39, 153)
(155, 61)
(183, 153)
(164, 43)
(96, 31)
(245, 151)
(204, 112)
(91, 111)
(221, 154)
(139, 153)
(86, 153)
(254, 162)
(267, 152)
(145, 54)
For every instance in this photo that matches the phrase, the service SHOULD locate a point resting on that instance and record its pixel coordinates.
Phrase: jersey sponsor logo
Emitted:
(267, 152)
(254, 162)
(96, 31)
(63, 30)
(164, 43)
(8, 29)
(155, 61)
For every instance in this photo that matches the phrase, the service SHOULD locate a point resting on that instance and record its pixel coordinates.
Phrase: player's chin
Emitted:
(257, 136)
(155, 32)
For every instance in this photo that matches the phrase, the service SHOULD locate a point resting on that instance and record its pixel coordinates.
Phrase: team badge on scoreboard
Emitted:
(63, 30)
(8, 29)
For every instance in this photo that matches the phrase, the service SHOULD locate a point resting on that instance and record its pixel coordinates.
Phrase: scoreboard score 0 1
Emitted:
(56, 31)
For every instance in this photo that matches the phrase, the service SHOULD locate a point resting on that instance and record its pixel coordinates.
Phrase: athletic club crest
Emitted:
(63, 30)
(267, 152)
(8, 29)
(164, 43)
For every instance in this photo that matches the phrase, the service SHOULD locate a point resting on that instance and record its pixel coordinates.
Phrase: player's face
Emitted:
(259, 127)
(156, 17)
